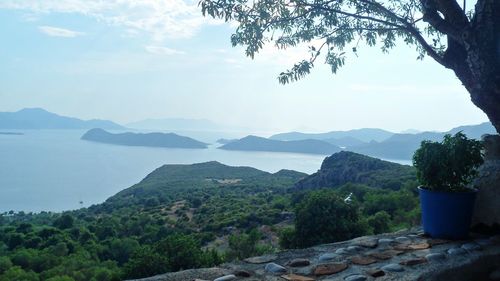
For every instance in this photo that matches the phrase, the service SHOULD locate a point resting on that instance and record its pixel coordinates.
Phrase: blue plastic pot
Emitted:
(447, 214)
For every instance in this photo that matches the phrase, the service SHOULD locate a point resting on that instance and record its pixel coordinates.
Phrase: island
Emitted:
(254, 143)
(170, 140)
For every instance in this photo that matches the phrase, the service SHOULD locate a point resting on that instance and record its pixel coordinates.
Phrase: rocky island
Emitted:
(254, 143)
(137, 139)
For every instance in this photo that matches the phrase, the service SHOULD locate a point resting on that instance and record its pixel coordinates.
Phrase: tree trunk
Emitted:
(482, 44)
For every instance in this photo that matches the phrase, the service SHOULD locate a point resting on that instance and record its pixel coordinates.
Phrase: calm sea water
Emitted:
(53, 170)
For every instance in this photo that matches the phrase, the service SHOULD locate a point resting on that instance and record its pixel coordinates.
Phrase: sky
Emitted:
(127, 60)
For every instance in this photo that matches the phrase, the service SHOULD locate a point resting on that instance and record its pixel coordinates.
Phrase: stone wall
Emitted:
(487, 210)
(406, 255)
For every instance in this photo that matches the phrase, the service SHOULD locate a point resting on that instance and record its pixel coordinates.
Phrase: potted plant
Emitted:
(445, 170)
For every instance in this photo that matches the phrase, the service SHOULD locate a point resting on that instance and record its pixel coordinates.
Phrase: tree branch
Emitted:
(410, 28)
(452, 12)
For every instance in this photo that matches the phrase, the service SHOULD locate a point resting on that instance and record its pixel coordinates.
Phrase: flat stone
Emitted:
(299, 262)
(342, 251)
(242, 273)
(436, 241)
(419, 246)
(295, 277)
(261, 259)
(331, 268)
(385, 255)
(328, 256)
(435, 257)
(366, 242)
(355, 277)
(274, 268)
(226, 278)
(306, 270)
(392, 267)
(414, 261)
(354, 248)
(401, 247)
(375, 272)
(402, 239)
(362, 260)
(385, 241)
(456, 251)
(471, 246)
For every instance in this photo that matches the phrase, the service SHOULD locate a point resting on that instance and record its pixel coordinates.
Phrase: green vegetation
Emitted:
(185, 216)
(324, 217)
(346, 166)
(449, 165)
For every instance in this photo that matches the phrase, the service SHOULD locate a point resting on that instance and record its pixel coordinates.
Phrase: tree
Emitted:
(243, 245)
(323, 217)
(64, 222)
(380, 222)
(146, 262)
(183, 251)
(465, 41)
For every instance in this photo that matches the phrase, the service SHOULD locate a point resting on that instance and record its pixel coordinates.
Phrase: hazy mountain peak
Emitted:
(39, 118)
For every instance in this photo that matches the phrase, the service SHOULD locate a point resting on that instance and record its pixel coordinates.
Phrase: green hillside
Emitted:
(349, 167)
(187, 216)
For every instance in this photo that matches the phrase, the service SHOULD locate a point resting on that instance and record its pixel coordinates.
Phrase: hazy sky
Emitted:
(127, 60)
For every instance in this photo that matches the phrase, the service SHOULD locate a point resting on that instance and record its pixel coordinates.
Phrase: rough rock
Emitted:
(355, 277)
(375, 272)
(486, 210)
(226, 278)
(295, 277)
(328, 257)
(363, 260)
(261, 259)
(274, 268)
(299, 262)
(435, 257)
(331, 268)
(392, 267)
(413, 261)
(242, 273)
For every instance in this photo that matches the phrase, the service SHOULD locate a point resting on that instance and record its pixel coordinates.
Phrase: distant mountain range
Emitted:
(364, 135)
(253, 143)
(176, 124)
(385, 144)
(402, 146)
(346, 166)
(152, 139)
(37, 118)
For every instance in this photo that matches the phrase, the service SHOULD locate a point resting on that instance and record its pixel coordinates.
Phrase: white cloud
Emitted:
(159, 50)
(160, 18)
(59, 32)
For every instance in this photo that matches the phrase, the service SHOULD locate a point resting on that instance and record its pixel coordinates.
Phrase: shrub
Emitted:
(323, 217)
(380, 222)
(449, 165)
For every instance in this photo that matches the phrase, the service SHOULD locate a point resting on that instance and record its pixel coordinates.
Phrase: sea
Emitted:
(54, 170)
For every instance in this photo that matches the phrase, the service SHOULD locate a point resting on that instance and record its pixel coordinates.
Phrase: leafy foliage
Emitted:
(323, 217)
(449, 165)
(176, 216)
(330, 28)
